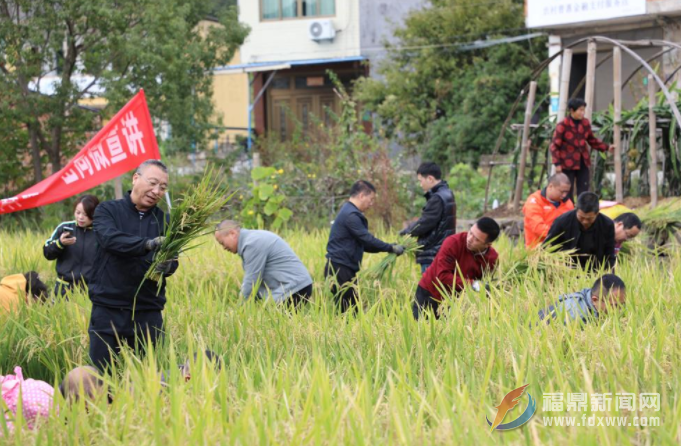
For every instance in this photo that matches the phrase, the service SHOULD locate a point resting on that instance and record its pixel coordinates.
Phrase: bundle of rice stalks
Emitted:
(662, 222)
(386, 265)
(189, 220)
(545, 260)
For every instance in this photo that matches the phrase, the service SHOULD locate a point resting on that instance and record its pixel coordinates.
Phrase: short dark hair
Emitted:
(629, 220)
(490, 227)
(575, 103)
(90, 203)
(147, 163)
(428, 168)
(35, 287)
(607, 283)
(587, 202)
(362, 187)
(213, 358)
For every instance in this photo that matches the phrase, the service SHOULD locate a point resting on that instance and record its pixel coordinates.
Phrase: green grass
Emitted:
(316, 377)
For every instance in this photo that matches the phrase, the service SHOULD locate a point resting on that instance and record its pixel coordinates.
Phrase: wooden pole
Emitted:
(652, 121)
(590, 88)
(590, 79)
(118, 188)
(617, 131)
(524, 146)
(566, 66)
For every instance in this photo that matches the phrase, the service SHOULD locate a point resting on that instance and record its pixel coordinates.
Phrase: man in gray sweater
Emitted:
(269, 263)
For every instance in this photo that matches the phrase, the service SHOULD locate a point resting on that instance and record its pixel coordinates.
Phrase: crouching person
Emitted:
(32, 397)
(17, 287)
(268, 261)
(463, 259)
(82, 382)
(588, 304)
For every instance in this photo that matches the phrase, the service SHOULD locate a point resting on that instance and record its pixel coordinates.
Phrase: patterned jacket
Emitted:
(568, 146)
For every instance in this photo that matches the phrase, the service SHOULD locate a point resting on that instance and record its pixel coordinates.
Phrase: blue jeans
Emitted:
(424, 267)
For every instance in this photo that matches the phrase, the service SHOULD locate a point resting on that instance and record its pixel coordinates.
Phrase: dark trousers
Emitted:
(62, 288)
(112, 328)
(300, 297)
(423, 301)
(580, 176)
(343, 289)
(424, 267)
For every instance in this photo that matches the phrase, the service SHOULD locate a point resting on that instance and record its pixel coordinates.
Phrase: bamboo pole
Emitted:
(617, 131)
(652, 121)
(566, 66)
(524, 146)
(590, 78)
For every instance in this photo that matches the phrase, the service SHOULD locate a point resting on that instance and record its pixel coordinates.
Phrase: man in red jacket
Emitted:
(462, 260)
(569, 150)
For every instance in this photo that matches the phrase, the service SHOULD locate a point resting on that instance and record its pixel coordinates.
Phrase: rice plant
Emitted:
(664, 221)
(387, 263)
(189, 220)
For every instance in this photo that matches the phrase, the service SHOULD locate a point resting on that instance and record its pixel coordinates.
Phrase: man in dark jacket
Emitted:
(348, 240)
(569, 150)
(587, 231)
(129, 232)
(438, 217)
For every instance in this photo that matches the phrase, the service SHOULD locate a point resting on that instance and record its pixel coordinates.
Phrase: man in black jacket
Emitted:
(438, 217)
(129, 232)
(348, 240)
(589, 232)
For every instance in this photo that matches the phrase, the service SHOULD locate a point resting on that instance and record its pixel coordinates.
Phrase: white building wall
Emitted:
(285, 40)
(378, 21)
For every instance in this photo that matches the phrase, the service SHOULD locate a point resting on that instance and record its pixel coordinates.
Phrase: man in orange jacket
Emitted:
(544, 206)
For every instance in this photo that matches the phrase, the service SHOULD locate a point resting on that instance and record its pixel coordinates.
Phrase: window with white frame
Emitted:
(291, 9)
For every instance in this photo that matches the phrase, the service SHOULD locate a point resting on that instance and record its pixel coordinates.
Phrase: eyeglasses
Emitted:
(154, 183)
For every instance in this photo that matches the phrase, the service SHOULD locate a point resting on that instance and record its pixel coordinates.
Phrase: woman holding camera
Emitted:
(74, 246)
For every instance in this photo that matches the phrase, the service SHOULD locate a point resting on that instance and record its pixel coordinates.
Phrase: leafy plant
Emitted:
(266, 206)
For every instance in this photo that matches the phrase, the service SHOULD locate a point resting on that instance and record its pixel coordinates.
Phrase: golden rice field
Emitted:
(317, 377)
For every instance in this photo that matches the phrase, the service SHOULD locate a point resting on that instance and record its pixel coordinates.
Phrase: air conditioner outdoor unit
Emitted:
(321, 30)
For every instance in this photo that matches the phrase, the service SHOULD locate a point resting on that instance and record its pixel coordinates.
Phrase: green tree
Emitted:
(443, 100)
(121, 46)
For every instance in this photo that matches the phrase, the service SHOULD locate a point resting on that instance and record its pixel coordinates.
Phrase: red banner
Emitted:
(122, 145)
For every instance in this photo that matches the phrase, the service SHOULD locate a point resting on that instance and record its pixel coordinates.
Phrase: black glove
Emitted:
(154, 244)
(398, 249)
(164, 267)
